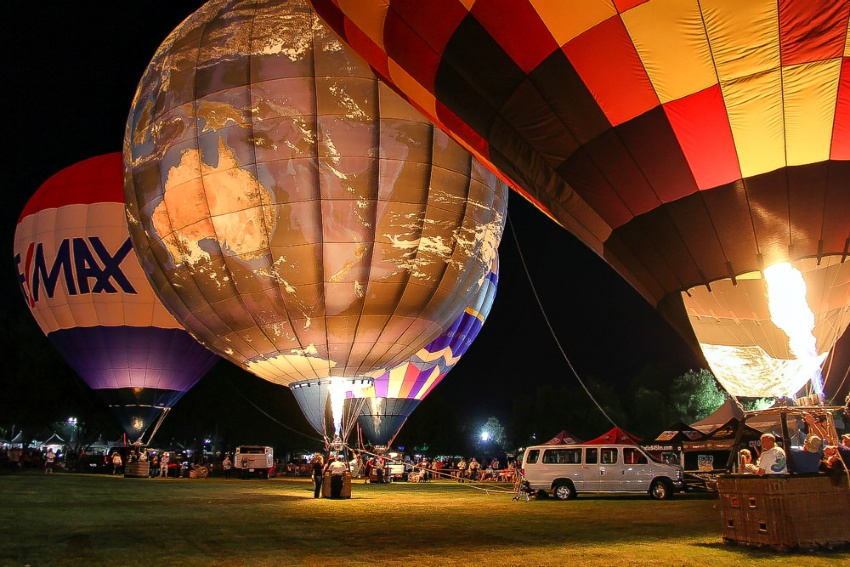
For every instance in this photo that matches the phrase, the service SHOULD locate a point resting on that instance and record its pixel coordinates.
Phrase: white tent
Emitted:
(721, 416)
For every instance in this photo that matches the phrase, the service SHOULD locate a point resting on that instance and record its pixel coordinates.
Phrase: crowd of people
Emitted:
(383, 469)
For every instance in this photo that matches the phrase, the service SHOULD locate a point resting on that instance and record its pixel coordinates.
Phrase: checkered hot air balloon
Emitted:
(687, 142)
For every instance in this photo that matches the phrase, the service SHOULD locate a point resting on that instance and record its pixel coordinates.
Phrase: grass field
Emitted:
(92, 520)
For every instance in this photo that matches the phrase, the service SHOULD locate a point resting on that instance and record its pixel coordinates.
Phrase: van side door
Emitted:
(590, 481)
(637, 470)
(610, 470)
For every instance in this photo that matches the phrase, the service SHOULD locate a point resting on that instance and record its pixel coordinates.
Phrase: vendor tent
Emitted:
(563, 438)
(722, 415)
(673, 438)
(615, 435)
(712, 452)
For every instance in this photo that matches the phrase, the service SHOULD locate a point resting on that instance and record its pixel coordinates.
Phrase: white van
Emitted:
(566, 470)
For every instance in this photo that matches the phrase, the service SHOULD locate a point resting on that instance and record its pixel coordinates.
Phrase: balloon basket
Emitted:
(344, 487)
(784, 513)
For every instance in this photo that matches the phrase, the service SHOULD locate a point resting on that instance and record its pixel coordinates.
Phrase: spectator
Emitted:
(117, 463)
(163, 465)
(154, 470)
(226, 465)
(379, 470)
(48, 461)
(461, 469)
(318, 470)
(473, 469)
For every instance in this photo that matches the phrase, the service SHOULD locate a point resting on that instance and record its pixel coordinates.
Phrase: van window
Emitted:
(590, 456)
(633, 457)
(531, 458)
(609, 456)
(562, 456)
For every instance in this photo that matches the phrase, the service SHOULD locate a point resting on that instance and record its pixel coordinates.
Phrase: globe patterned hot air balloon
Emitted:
(86, 289)
(395, 394)
(294, 213)
(687, 142)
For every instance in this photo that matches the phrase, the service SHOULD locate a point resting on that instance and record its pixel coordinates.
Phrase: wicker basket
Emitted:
(785, 512)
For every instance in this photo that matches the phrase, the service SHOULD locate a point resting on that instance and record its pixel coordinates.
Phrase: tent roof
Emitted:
(53, 439)
(563, 438)
(720, 417)
(679, 432)
(615, 435)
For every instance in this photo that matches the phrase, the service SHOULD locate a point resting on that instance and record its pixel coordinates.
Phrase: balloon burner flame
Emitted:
(786, 296)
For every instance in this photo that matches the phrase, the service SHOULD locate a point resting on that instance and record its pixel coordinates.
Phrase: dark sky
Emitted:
(70, 70)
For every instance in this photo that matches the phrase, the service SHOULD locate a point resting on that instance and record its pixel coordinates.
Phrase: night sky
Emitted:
(70, 71)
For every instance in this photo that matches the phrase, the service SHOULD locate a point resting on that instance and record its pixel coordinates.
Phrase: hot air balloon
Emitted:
(395, 394)
(688, 143)
(296, 215)
(86, 289)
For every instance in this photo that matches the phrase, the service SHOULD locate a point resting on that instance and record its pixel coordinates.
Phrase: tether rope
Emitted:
(262, 411)
(551, 329)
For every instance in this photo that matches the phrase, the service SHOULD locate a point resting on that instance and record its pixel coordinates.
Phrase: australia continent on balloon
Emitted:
(223, 202)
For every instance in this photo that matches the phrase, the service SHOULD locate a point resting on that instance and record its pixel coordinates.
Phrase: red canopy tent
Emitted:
(563, 438)
(616, 435)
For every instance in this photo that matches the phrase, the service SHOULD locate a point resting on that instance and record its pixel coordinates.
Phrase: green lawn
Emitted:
(72, 519)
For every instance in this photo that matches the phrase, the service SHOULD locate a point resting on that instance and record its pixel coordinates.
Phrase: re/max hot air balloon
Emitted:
(86, 289)
(687, 142)
(396, 393)
(295, 214)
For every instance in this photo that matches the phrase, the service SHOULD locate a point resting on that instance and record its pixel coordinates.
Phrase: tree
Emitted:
(695, 395)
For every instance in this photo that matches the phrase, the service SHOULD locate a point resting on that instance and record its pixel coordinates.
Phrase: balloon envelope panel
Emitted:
(395, 394)
(685, 142)
(88, 293)
(294, 213)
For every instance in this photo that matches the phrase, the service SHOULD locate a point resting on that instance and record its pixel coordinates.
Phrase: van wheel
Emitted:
(564, 491)
(661, 489)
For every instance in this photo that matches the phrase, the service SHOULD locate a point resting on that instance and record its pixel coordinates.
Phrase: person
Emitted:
(379, 470)
(117, 463)
(808, 459)
(154, 470)
(163, 465)
(772, 459)
(226, 465)
(367, 469)
(354, 465)
(474, 467)
(461, 469)
(336, 468)
(318, 470)
(745, 461)
(817, 427)
(48, 461)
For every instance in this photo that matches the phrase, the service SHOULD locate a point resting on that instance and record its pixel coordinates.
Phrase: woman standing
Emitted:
(318, 470)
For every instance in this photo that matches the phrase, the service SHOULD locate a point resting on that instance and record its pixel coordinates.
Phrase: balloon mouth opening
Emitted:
(329, 403)
(759, 331)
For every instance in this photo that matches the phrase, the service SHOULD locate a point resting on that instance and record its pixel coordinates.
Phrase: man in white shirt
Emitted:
(772, 459)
